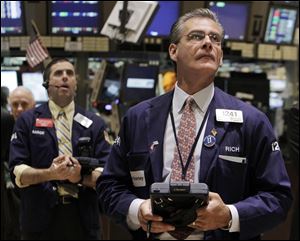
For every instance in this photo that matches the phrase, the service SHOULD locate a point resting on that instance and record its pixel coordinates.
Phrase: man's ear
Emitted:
(173, 52)
(221, 59)
(77, 79)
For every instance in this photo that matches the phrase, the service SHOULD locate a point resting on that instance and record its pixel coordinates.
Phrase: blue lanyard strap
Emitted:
(185, 167)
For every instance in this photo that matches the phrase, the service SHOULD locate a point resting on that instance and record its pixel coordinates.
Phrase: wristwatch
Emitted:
(228, 225)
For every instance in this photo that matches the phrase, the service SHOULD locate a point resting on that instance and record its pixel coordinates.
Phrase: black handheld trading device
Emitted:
(85, 152)
(177, 202)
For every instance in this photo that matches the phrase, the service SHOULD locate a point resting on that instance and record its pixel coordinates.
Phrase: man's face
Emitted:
(199, 49)
(62, 83)
(20, 102)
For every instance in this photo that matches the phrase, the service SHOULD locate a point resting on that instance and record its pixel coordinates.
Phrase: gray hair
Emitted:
(24, 90)
(177, 27)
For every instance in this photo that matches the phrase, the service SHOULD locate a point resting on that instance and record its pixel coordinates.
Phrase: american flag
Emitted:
(36, 53)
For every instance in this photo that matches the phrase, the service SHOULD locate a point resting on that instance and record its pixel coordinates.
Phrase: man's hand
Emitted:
(145, 215)
(75, 169)
(90, 180)
(59, 169)
(213, 216)
(65, 168)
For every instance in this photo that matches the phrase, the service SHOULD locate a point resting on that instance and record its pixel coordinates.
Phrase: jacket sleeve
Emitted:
(270, 195)
(101, 148)
(113, 186)
(19, 145)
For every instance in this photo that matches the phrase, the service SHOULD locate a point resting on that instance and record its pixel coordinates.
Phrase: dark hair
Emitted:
(4, 96)
(47, 71)
(176, 30)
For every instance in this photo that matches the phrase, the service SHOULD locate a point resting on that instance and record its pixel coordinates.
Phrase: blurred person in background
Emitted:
(19, 100)
(9, 228)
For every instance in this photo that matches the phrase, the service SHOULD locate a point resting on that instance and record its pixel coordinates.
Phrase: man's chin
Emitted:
(206, 68)
(63, 100)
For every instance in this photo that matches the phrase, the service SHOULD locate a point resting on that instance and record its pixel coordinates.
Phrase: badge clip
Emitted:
(153, 145)
(214, 132)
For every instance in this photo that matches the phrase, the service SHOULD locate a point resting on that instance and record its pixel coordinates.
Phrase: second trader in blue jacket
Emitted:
(57, 200)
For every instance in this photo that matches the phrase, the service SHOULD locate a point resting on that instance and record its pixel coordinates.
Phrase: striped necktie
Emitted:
(63, 134)
(65, 148)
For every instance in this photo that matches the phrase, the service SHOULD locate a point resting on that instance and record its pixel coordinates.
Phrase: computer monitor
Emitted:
(281, 25)
(9, 79)
(74, 18)
(233, 16)
(163, 20)
(110, 86)
(139, 83)
(250, 87)
(12, 18)
(33, 81)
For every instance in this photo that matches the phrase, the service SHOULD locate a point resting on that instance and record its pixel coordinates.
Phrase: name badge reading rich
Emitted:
(226, 115)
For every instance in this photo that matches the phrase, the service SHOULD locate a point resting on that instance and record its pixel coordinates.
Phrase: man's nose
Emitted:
(207, 44)
(64, 74)
(20, 107)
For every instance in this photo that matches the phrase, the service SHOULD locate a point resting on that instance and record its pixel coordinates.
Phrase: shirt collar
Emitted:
(55, 109)
(202, 98)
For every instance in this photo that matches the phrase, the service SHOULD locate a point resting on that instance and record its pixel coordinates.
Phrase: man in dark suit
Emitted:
(8, 231)
(7, 123)
(20, 100)
(235, 151)
(58, 200)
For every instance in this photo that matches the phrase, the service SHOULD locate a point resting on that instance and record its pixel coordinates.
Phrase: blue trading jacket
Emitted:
(37, 147)
(245, 166)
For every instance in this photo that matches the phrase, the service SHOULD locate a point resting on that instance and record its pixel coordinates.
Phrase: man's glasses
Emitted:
(199, 36)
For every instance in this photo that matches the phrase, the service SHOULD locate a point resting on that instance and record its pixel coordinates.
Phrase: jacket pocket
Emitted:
(230, 177)
(237, 159)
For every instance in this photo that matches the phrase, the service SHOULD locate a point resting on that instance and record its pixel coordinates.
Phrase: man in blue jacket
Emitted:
(58, 200)
(235, 152)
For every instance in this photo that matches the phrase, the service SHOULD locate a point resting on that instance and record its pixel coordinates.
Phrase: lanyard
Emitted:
(185, 167)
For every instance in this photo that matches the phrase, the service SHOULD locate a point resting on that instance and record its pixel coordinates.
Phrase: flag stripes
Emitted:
(36, 53)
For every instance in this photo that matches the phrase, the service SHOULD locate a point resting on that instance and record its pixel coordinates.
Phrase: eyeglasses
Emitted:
(199, 36)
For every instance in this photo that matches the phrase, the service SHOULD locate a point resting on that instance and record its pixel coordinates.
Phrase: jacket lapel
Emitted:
(156, 119)
(75, 127)
(209, 155)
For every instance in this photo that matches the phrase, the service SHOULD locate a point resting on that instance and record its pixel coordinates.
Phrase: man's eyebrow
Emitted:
(202, 31)
(61, 70)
